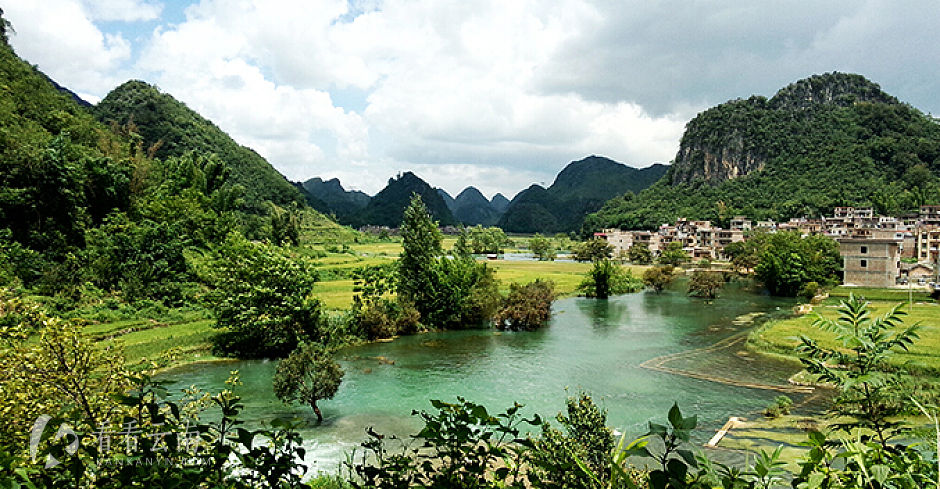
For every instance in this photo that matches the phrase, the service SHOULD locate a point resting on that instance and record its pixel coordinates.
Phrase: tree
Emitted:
(788, 261)
(640, 254)
(871, 391)
(261, 300)
(309, 374)
(706, 284)
(542, 248)
(421, 247)
(593, 250)
(527, 307)
(673, 254)
(607, 278)
(658, 278)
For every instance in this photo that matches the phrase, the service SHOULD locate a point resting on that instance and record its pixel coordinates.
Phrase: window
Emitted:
(864, 250)
(864, 264)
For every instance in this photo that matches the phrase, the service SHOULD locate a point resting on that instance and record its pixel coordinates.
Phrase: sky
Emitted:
(497, 94)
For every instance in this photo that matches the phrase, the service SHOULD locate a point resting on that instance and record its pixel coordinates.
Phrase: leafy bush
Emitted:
(592, 250)
(607, 278)
(527, 307)
(309, 374)
(261, 299)
(658, 278)
(706, 284)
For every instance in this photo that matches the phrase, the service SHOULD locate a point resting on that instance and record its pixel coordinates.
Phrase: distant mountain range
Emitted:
(581, 187)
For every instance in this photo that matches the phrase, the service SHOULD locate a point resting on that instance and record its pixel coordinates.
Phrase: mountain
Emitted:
(339, 201)
(173, 129)
(580, 188)
(825, 141)
(472, 208)
(447, 199)
(500, 203)
(388, 206)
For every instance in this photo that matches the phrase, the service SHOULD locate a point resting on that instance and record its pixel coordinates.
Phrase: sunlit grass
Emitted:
(783, 336)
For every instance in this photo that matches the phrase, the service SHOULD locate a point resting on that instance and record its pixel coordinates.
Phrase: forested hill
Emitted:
(388, 206)
(172, 128)
(825, 141)
(580, 188)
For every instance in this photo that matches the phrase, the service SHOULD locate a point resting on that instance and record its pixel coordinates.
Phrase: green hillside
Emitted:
(825, 141)
(388, 206)
(580, 188)
(61, 171)
(172, 129)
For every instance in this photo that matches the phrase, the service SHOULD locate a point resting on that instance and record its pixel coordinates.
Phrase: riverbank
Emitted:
(162, 338)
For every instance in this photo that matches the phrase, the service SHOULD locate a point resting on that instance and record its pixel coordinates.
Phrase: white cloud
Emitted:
(484, 92)
(61, 38)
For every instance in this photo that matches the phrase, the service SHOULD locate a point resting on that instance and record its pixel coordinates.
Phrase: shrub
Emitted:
(658, 278)
(527, 307)
(607, 278)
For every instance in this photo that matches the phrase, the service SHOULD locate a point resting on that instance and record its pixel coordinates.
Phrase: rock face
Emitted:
(738, 137)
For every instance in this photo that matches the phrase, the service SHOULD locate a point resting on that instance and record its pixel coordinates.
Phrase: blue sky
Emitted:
(479, 92)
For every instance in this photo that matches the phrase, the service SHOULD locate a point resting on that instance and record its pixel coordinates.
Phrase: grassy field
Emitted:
(780, 337)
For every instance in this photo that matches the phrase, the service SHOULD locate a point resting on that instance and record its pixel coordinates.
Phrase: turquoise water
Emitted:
(590, 345)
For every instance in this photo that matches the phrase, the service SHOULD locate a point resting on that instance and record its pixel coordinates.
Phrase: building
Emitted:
(870, 262)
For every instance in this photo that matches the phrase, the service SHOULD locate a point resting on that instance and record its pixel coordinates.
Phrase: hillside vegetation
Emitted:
(581, 188)
(171, 128)
(826, 141)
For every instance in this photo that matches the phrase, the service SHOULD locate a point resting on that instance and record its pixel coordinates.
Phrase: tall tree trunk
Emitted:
(316, 410)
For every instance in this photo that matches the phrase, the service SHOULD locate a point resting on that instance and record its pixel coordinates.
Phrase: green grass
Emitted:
(781, 337)
(873, 294)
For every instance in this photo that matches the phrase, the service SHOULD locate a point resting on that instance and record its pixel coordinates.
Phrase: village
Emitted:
(877, 251)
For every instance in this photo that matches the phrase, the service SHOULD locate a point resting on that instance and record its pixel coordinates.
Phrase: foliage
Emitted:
(462, 445)
(171, 129)
(527, 307)
(421, 247)
(673, 254)
(485, 240)
(605, 278)
(375, 312)
(870, 391)
(592, 250)
(789, 261)
(448, 293)
(659, 277)
(48, 366)
(155, 442)
(261, 299)
(586, 440)
(542, 248)
(640, 254)
(309, 374)
(780, 406)
(706, 284)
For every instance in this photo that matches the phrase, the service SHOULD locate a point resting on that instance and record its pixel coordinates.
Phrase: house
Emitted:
(870, 262)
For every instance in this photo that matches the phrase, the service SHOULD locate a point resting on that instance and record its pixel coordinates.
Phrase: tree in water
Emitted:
(308, 375)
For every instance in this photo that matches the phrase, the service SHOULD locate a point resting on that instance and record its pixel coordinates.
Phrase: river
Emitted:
(591, 345)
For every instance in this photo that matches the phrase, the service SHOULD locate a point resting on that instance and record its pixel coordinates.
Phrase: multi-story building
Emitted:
(870, 262)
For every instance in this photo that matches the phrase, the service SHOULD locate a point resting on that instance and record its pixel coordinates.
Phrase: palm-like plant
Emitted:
(869, 386)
